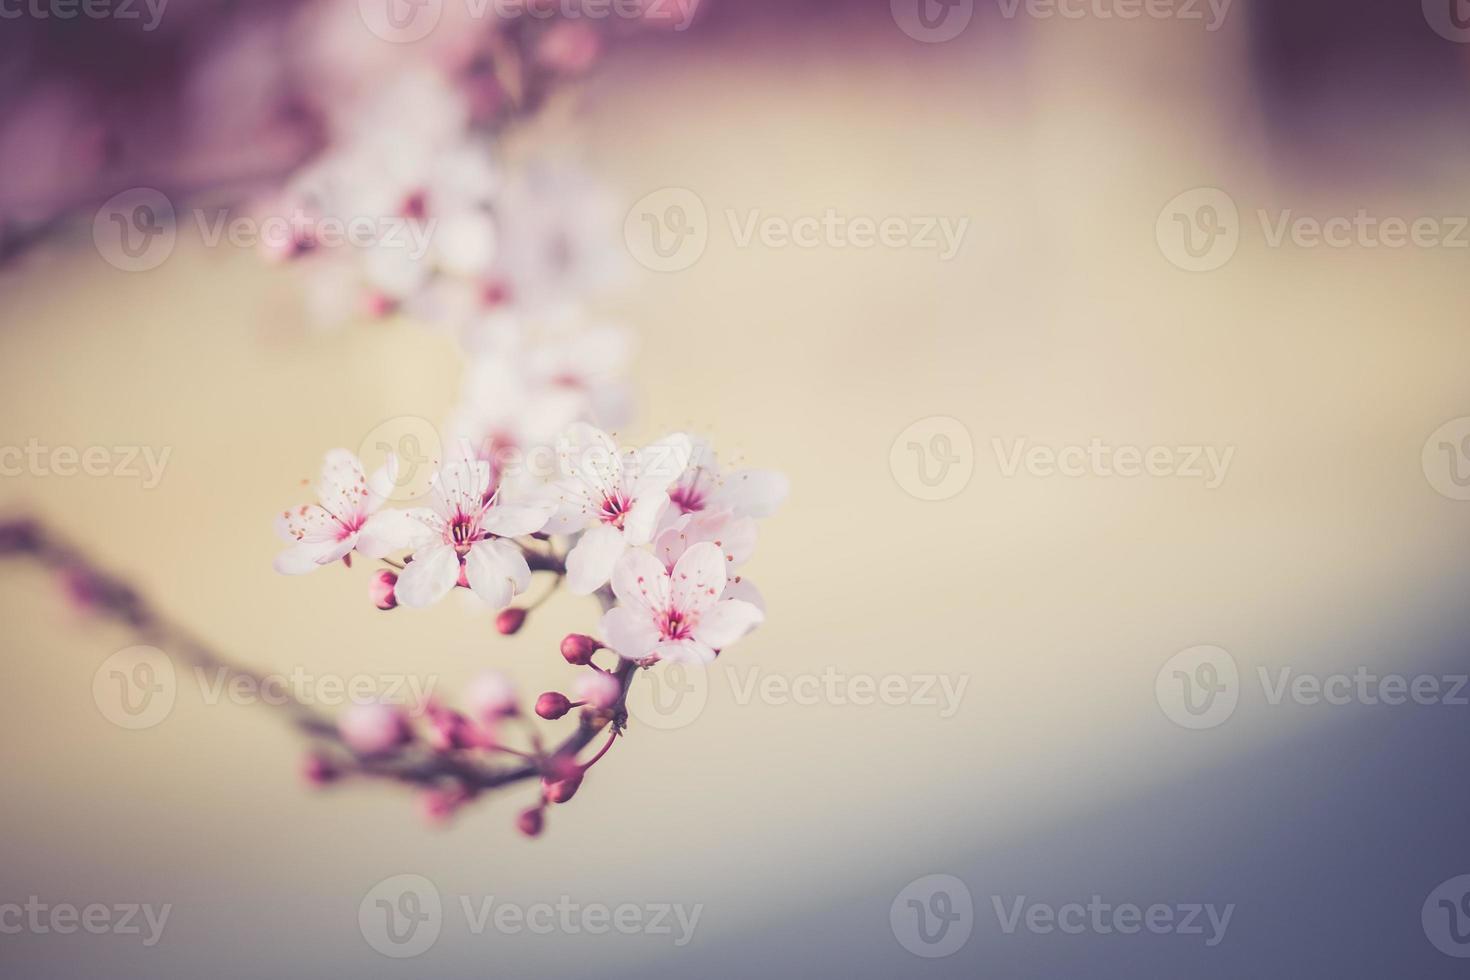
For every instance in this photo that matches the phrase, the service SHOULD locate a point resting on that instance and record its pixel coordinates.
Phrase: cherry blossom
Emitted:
(745, 493)
(464, 540)
(346, 517)
(614, 497)
(675, 615)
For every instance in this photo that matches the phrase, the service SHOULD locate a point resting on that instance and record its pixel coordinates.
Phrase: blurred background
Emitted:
(1233, 233)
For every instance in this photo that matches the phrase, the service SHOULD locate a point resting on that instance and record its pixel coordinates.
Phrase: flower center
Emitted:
(463, 531)
(615, 507)
(676, 625)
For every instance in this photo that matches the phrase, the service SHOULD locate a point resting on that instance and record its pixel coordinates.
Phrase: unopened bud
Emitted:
(552, 705)
(381, 589)
(578, 649)
(564, 790)
(510, 621)
(531, 822)
(317, 771)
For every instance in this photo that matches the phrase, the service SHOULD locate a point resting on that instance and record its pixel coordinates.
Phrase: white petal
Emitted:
(305, 557)
(661, 463)
(642, 518)
(744, 589)
(588, 454)
(698, 578)
(429, 577)
(726, 622)
(388, 531)
(591, 562)
(752, 493)
(639, 581)
(496, 571)
(685, 652)
(514, 520)
(629, 632)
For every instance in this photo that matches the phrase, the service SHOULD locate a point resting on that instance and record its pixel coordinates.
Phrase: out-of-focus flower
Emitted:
(598, 688)
(678, 615)
(372, 729)
(745, 493)
(615, 498)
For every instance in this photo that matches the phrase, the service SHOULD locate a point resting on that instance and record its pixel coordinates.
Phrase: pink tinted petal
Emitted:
(598, 689)
(640, 582)
(727, 622)
(588, 454)
(642, 517)
(382, 484)
(574, 509)
(491, 574)
(388, 531)
(685, 652)
(629, 632)
(661, 463)
(342, 488)
(591, 562)
(308, 524)
(304, 557)
(753, 493)
(429, 577)
(698, 578)
(744, 590)
(737, 540)
(514, 520)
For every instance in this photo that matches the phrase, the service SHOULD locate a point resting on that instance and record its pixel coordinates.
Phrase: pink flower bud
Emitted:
(317, 771)
(578, 649)
(371, 729)
(599, 689)
(561, 792)
(552, 705)
(441, 804)
(379, 305)
(531, 822)
(448, 730)
(381, 590)
(510, 621)
(490, 697)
